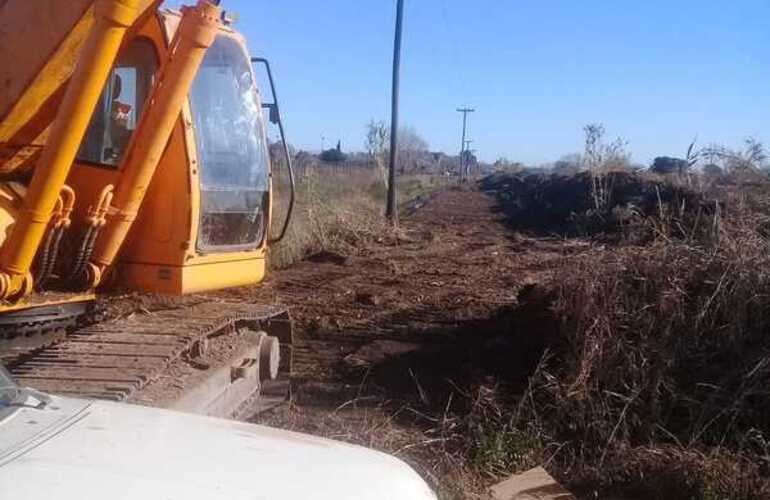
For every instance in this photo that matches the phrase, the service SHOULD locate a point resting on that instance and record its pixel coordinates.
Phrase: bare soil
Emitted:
(453, 264)
(385, 337)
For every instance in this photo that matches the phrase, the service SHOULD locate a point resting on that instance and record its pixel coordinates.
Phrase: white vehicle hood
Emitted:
(79, 450)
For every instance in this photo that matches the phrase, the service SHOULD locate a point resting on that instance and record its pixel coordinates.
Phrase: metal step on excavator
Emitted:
(134, 157)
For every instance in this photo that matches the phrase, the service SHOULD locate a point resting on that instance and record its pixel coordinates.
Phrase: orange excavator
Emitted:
(133, 156)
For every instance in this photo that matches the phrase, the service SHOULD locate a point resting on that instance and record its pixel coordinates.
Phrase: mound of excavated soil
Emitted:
(584, 203)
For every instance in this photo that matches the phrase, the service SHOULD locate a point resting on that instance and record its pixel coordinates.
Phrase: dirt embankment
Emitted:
(610, 205)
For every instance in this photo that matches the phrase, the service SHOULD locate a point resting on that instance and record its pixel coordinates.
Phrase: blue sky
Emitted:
(656, 73)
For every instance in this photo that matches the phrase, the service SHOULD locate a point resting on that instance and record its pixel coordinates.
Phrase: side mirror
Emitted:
(275, 116)
(273, 113)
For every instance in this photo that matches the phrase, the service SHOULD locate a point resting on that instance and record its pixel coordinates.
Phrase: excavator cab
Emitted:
(228, 139)
(206, 214)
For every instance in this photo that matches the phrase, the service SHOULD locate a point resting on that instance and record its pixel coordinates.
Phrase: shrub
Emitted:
(663, 347)
(335, 210)
(665, 165)
(333, 156)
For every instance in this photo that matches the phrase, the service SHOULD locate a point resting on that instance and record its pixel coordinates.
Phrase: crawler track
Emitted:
(151, 357)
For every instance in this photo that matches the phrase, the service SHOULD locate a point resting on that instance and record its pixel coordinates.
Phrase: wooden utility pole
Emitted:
(391, 211)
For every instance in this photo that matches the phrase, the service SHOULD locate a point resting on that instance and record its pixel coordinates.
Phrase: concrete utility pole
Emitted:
(391, 211)
(465, 112)
(466, 157)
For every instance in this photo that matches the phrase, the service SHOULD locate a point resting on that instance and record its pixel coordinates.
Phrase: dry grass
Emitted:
(655, 382)
(654, 376)
(340, 210)
(662, 346)
(335, 211)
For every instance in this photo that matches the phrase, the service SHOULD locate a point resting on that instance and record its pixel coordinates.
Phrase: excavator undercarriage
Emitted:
(214, 357)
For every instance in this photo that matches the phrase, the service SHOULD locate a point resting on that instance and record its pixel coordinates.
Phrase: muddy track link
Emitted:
(155, 357)
(29, 329)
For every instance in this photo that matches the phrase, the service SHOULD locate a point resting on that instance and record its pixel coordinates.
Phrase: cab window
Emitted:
(120, 105)
(232, 150)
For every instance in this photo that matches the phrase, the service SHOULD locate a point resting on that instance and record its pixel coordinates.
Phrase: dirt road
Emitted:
(455, 265)
(382, 335)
